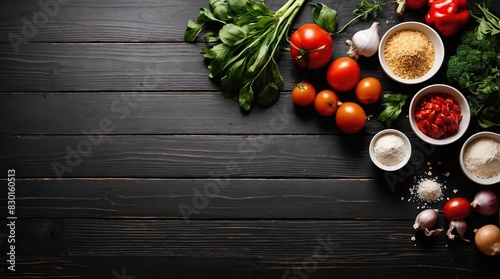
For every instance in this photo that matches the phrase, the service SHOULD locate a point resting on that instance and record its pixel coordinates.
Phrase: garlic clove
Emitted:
(460, 226)
(433, 232)
(364, 42)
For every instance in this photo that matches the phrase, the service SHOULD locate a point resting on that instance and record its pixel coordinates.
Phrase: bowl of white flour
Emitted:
(480, 158)
(390, 149)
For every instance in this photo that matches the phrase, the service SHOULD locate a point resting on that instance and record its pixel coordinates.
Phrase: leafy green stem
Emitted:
(364, 11)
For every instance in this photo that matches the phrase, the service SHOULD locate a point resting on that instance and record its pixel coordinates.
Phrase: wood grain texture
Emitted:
(217, 198)
(203, 156)
(110, 93)
(128, 21)
(161, 113)
(262, 249)
(188, 156)
(139, 67)
(91, 65)
(227, 198)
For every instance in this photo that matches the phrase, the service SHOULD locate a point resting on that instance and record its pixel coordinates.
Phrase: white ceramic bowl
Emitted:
(469, 174)
(457, 96)
(430, 33)
(407, 150)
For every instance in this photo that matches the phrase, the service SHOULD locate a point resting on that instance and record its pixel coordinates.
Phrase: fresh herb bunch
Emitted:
(248, 38)
(476, 67)
(393, 103)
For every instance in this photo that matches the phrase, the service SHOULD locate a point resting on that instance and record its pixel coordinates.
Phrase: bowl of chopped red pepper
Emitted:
(439, 114)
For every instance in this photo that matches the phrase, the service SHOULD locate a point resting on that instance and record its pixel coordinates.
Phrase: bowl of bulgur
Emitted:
(411, 52)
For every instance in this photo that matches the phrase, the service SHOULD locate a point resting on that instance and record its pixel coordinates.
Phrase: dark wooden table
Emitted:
(129, 162)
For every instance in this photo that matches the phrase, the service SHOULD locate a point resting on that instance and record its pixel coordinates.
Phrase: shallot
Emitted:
(485, 202)
(487, 239)
(426, 220)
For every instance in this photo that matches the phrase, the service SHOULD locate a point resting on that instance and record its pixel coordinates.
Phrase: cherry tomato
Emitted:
(326, 102)
(303, 94)
(415, 4)
(368, 90)
(456, 208)
(350, 118)
(311, 46)
(343, 74)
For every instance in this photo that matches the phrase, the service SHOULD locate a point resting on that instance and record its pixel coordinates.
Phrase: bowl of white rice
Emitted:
(411, 52)
(480, 158)
(390, 149)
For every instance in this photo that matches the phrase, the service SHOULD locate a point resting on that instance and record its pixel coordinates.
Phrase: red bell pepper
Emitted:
(448, 16)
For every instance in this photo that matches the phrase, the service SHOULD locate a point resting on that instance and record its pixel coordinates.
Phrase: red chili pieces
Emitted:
(438, 115)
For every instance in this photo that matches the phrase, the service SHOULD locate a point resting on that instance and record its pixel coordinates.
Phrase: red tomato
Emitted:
(326, 102)
(303, 94)
(368, 90)
(456, 208)
(415, 4)
(311, 46)
(350, 118)
(343, 74)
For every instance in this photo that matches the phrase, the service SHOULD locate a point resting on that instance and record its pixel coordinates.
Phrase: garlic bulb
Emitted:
(364, 42)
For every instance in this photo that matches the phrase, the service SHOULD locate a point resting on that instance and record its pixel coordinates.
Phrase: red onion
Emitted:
(485, 202)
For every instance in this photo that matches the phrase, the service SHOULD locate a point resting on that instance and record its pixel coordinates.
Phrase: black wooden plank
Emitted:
(93, 20)
(189, 199)
(141, 113)
(262, 249)
(187, 156)
(203, 156)
(226, 198)
(162, 113)
(200, 156)
(137, 67)
(126, 21)
(142, 66)
(147, 21)
(81, 67)
(151, 267)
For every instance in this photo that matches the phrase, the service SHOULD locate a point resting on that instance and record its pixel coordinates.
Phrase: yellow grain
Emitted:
(409, 54)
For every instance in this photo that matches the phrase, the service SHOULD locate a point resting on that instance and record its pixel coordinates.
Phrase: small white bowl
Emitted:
(430, 33)
(457, 96)
(469, 174)
(407, 150)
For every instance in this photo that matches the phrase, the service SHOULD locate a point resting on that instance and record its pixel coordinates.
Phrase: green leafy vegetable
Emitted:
(325, 17)
(248, 38)
(393, 103)
(488, 24)
(364, 11)
(476, 67)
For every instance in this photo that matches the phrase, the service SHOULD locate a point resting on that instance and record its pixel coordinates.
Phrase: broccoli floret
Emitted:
(472, 60)
(469, 38)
